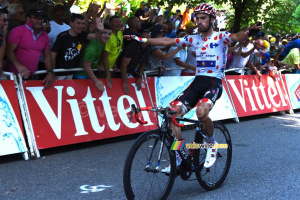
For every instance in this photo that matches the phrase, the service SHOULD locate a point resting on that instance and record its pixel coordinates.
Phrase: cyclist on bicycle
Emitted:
(206, 88)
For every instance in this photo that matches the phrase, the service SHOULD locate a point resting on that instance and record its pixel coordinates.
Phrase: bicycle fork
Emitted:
(159, 155)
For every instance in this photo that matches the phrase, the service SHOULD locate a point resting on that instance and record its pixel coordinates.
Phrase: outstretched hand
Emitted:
(100, 24)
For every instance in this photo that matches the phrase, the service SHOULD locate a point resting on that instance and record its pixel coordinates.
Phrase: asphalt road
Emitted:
(265, 165)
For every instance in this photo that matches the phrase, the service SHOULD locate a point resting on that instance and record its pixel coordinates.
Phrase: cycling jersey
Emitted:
(210, 52)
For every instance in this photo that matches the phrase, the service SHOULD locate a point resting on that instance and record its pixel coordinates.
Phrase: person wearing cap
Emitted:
(25, 45)
(284, 42)
(57, 14)
(206, 88)
(190, 27)
(266, 57)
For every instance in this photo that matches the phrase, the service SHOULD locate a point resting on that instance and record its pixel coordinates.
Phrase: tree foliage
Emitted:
(276, 15)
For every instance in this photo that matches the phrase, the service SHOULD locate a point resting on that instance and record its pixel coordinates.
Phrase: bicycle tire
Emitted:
(137, 182)
(212, 178)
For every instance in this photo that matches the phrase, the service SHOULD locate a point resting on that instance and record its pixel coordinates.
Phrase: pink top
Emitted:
(29, 49)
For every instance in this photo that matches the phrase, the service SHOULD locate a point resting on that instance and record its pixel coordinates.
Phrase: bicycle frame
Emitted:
(168, 137)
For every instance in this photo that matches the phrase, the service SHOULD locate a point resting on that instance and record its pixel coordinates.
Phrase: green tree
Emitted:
(281, 18)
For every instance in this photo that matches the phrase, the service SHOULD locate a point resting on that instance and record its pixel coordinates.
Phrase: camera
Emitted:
(259, 24)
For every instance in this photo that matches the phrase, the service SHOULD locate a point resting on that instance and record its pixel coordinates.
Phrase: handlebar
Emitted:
(171, 111)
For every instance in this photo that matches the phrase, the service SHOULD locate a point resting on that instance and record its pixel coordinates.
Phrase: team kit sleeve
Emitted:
(186, 41)
(225, 37)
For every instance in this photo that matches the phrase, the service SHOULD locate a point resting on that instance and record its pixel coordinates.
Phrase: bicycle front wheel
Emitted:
(213, 177)
(142, 176)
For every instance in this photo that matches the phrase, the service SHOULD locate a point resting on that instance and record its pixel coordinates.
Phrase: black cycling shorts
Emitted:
(205, 88)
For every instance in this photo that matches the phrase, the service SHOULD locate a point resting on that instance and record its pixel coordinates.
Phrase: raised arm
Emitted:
(162, 41)
(240, 36)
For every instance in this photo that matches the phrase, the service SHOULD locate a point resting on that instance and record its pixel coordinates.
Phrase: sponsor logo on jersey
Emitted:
(206, 63)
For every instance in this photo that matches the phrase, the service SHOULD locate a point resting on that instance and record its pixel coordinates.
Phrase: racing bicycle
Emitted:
(151, 152)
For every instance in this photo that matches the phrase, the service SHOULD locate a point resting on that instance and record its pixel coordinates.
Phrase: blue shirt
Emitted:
(265, 58)
(292, 45)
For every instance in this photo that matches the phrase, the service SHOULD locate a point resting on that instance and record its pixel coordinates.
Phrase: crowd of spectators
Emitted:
(54, 38)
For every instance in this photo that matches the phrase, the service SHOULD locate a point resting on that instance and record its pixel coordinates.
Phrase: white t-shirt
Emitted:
(182, 55)
(55, 30)
(239, 61)
(210, 52)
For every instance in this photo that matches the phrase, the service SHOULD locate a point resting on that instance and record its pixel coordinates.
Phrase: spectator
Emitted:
(57, 14)
(231, 52)
(284, 42)
(186, 16)
(112, 48)
(133, 61)
(177, 21)
(3, 33)
(291, 61)
(157, 26)
(134, 26)
(287, 48)
(141, 14)
(190, 27)
(289, 38)
(25, 45)
(221, 20)
(171, 32)
(178, 60)
(90, 56)
(16, 16)
(68, 44)
(157, 56)
(240, 61)
(266, 57)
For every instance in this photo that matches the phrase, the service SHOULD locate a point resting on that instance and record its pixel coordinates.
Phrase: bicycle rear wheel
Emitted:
(213, 177)
(141, 177)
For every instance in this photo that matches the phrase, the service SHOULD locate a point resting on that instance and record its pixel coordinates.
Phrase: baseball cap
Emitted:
(36, 12)
(284, 40)
(190, 23)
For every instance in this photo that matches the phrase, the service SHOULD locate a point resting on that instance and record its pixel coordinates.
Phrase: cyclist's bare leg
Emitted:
(177, 130)
(202, 114)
